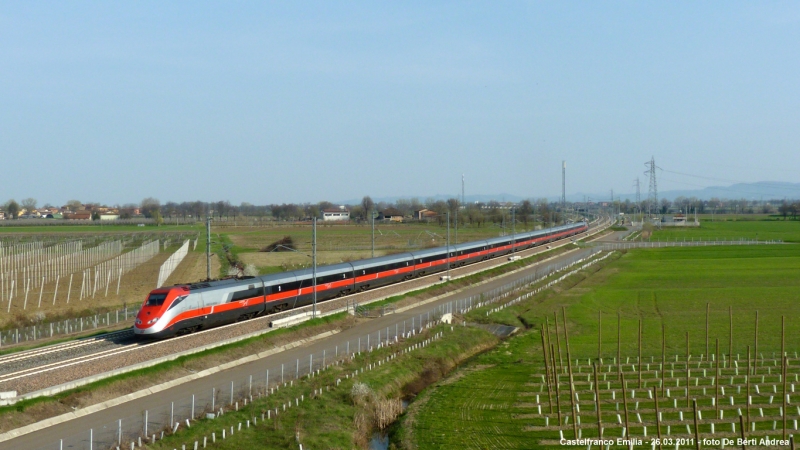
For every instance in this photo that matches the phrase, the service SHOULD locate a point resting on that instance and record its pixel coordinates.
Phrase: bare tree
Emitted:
(784, 209)
(74, 205)
(12, 208)
(150, 206)
(524, 211)
(29, 204)
(368, 206)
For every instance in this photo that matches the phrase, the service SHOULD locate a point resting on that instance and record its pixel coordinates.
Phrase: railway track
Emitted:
(17, 365)
(44, 367)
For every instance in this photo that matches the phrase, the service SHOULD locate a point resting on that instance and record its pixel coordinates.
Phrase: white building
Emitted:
(340, 213)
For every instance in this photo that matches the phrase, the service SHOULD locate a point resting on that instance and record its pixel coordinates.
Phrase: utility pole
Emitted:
(612, 204)
(652, 194)
(513, 229)
(372, 214)
(314, 269)
(463, 199)
(448, 245)
(564, 190)
(638, 195)
(456, 224)
(208, 247)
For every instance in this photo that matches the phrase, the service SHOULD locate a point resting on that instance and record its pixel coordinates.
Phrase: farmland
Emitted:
(56, 271)
(487, 404)
(787, 231)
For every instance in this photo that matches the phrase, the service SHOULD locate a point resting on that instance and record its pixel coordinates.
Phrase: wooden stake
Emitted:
(785, 362)
(748, 386)
(599, 333)
(663, 357)
(783, 336)
(547, 341)
(597, 403)
(730, 343)
(658, 420)
(558, 344)
(571, 381)
(625, 404)
(639, 362)
(708, 306)
(558, 392)
(566, 335)
(696, 429)
(687, 369)
(716, 380)
(755, 348)
(619, 347)
(741, 429)
(547, 373)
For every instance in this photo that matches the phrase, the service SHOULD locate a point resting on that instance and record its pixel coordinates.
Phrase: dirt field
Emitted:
(134, 286)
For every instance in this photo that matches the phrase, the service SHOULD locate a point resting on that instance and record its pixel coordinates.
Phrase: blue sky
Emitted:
(300, 101)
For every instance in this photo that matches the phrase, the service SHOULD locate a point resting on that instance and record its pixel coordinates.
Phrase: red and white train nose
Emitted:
(152, 310)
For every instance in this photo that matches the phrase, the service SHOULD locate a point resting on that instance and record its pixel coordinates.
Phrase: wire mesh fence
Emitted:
(68, 326)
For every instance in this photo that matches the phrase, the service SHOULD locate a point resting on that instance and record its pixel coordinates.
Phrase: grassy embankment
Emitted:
(338, 419)
(483, 407)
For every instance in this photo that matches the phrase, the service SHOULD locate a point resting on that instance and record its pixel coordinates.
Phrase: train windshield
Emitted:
(156, 299)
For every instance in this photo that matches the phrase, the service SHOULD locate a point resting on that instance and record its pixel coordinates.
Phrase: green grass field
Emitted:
(481, 405)
(787, 231)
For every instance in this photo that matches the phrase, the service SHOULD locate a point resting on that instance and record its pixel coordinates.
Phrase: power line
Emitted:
(652, 194)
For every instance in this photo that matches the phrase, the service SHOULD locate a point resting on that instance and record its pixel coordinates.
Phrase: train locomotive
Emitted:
(181, 309)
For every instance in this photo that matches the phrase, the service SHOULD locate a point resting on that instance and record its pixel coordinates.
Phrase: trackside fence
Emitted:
(213, 398)
(67, 326)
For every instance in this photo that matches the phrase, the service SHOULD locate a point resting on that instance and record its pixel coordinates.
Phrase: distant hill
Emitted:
(766, 190)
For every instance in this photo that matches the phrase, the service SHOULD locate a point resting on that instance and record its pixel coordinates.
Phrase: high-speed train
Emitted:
(179, 309)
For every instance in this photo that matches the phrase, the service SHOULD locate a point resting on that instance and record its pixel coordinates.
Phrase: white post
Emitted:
(55, 292)
(69, 288)
(11, 296)
(108, 281)
(27, 287)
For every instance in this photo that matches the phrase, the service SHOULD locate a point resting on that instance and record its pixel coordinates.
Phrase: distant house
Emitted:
(109, 216)
(79, 215)
(2, 215)
(390, 214)
(425, 214)
(334, 214)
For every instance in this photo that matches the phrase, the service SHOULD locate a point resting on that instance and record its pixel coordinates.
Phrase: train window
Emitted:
(177, 301)
(247, 293)
(156, 299)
